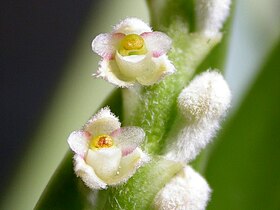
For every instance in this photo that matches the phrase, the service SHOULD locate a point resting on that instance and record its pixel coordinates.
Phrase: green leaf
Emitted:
(64, 190)
(244, 167)
(215, 60)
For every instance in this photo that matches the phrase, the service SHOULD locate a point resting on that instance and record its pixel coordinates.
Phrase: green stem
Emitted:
(140, 190)
(155, 106)
(153, 109)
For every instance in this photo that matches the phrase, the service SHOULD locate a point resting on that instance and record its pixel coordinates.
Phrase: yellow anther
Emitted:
(132, 44)
(102, 141)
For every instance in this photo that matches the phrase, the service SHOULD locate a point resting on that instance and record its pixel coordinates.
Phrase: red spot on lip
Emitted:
(108, 56)
(116, 132)
(87, 134)
(156, 54)
(118, 35)
(146, 34)
(127, 151)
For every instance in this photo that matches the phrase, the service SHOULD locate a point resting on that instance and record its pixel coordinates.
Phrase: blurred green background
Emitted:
(255, 31)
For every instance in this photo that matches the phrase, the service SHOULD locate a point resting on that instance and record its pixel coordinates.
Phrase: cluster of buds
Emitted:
(107, 154)
(202, 105)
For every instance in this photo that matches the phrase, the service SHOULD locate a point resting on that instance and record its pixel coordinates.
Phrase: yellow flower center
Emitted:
(132, 44)
(102, 141)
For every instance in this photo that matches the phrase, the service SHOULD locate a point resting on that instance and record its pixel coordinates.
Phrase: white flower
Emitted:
(105, 153)
(186, 191)
(202, 104)
(133, 53)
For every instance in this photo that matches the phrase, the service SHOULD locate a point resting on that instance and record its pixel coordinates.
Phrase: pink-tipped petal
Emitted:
(131, 26)
(157, 42)
(78, 142)
(105, 45)
(109, 71)
(128, 138)
(103, 122)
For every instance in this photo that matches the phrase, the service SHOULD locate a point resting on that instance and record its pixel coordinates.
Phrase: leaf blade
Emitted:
(241, 168)
(65, 190)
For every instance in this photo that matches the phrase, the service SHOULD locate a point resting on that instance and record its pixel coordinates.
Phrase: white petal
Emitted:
(78, 142)
(157, 42)
(87, 174)
(134, 65)
(132, 26)
(105, 44)
(105, 162)
(128, 166)
(161, 68)
(110, 71)
(186, 191)
(128, 138)
(103, 122)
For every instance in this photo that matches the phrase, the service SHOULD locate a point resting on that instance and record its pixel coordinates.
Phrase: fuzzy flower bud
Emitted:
(210, 15)
(202, 105)
(186, 191)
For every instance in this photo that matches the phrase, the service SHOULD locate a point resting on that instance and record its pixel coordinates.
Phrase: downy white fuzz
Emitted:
(132, 54)
(211, 15)
(105, 153)
(202, 104)
(186, 191)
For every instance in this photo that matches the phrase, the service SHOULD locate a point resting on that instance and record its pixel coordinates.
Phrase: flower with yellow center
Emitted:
(132, 54)
(105, 153)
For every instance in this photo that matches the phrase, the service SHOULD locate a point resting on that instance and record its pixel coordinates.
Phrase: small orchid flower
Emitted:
(133, 53)
(105, 153)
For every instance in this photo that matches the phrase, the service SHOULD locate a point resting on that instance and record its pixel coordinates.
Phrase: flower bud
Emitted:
(210, 15)
(186, 191)
(202, 105)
